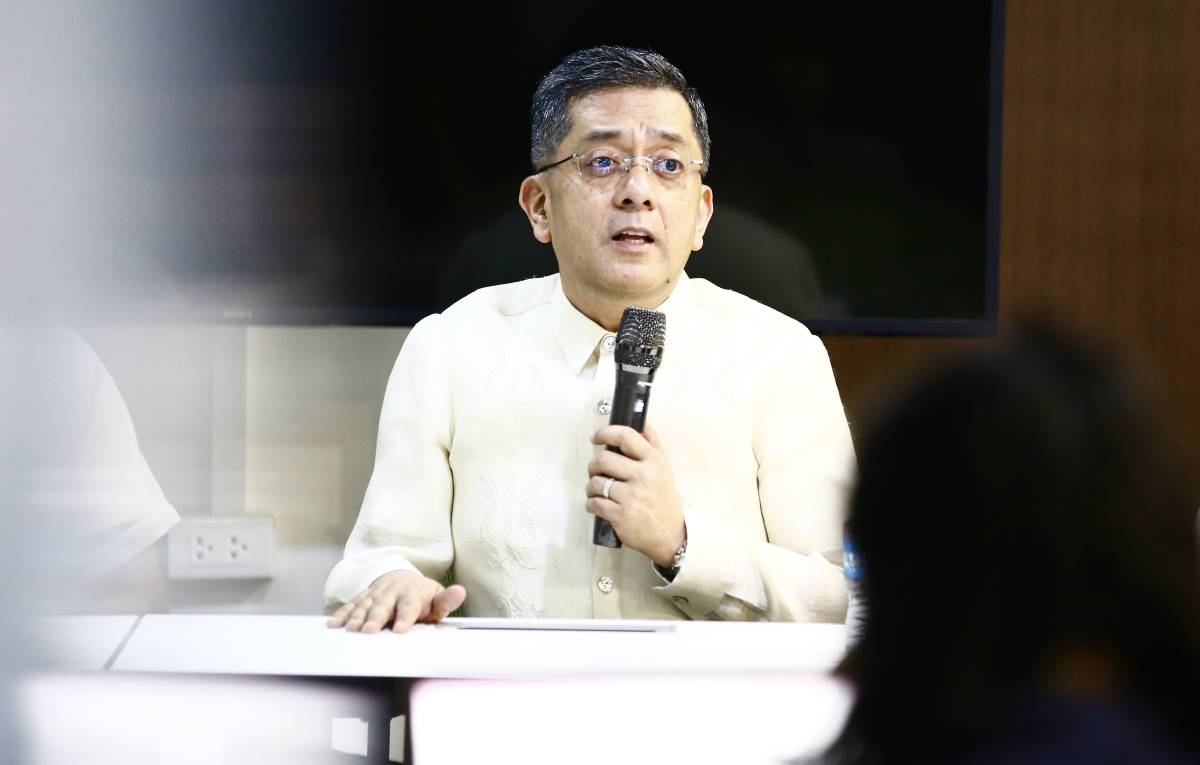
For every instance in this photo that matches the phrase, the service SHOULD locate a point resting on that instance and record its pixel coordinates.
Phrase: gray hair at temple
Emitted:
(600, 68)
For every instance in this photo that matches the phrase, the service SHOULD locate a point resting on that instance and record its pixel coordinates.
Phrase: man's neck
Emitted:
(607, 309)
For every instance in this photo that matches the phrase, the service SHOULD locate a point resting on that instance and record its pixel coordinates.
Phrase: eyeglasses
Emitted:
(602, 165)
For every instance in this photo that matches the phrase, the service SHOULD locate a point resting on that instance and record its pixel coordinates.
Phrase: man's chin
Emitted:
(641, 288)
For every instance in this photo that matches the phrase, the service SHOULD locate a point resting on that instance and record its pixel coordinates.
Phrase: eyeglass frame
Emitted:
(626, 164)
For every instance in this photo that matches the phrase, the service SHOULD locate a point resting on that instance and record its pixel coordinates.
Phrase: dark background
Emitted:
(358, 163)
(1100, 194)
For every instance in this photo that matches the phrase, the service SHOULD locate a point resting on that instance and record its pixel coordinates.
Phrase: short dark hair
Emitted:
(604, 66)
(1018, 501)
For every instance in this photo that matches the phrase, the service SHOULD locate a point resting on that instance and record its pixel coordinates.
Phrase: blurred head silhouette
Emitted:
(1027, 535)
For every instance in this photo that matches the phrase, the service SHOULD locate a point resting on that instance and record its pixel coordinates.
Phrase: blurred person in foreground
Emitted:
(93, 515)
(1032, 488)
(491, 453)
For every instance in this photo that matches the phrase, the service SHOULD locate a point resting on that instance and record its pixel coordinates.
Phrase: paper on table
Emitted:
(577, 625)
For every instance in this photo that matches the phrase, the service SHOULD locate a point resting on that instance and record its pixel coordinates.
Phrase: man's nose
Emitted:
(636, 187)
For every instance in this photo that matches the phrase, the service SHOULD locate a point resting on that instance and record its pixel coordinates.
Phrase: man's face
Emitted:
(629, 236)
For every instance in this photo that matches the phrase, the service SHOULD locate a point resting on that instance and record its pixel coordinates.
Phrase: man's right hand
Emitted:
(401, 598)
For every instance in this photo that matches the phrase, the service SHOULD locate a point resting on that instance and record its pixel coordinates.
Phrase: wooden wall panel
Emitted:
(1100, 199)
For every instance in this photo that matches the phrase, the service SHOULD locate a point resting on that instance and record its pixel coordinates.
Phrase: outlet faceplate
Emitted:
(221, 547)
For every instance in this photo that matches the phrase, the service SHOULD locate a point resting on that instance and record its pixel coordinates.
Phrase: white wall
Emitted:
(309, 398)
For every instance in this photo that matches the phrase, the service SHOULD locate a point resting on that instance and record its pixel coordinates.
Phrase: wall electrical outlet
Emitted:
(222, 547)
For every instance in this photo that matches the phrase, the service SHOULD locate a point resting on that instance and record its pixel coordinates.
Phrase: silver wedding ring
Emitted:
(607, 486)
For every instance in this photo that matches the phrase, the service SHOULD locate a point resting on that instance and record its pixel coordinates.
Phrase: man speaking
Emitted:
(493, 443)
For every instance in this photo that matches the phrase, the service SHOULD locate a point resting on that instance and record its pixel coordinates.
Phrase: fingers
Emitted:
(652, 437)
(401, 598)
(338, 617)
(429, 606)
(410, 609)
(368, 612)
(606, 463)
(595, 487)
(604, 508)
(446, 601)
(380, 613)
(631, 443)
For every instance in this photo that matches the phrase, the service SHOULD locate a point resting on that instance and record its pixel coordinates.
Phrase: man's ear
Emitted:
(704, 213)
(535, 202)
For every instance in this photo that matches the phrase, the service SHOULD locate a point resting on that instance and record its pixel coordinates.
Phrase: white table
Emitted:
(474, 648)
(79, 642)
(245, 689)
(748, 719)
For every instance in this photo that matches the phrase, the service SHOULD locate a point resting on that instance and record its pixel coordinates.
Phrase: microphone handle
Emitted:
(631, 399)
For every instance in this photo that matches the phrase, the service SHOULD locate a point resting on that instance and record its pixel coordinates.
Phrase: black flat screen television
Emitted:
(358, 164)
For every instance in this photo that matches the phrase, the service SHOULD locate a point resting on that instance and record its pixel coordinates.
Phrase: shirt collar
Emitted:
(578, 335)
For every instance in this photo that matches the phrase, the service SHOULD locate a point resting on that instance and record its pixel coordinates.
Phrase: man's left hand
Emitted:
(643, 504)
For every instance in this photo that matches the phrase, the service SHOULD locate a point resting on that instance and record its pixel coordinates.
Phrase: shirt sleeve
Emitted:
(404, 522)
(806, 463)
(95, 501)
(139, 513)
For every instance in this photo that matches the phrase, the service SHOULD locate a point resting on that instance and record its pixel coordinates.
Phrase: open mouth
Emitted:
(633, 236)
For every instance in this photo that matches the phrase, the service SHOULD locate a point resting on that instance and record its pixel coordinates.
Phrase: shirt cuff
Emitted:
(717, 579)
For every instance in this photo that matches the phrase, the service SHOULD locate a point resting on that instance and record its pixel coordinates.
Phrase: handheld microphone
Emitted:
(638, 355)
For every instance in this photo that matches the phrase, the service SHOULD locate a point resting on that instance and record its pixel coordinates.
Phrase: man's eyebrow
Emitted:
(668, 135)
(608, 134)
(600, 135)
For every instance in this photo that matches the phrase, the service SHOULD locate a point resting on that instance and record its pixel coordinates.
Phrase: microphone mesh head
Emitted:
(640, 338)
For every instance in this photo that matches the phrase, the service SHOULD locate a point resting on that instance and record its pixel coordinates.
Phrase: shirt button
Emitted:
(604, 406)
(605, 584)
(608, 343)
(680, 600)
